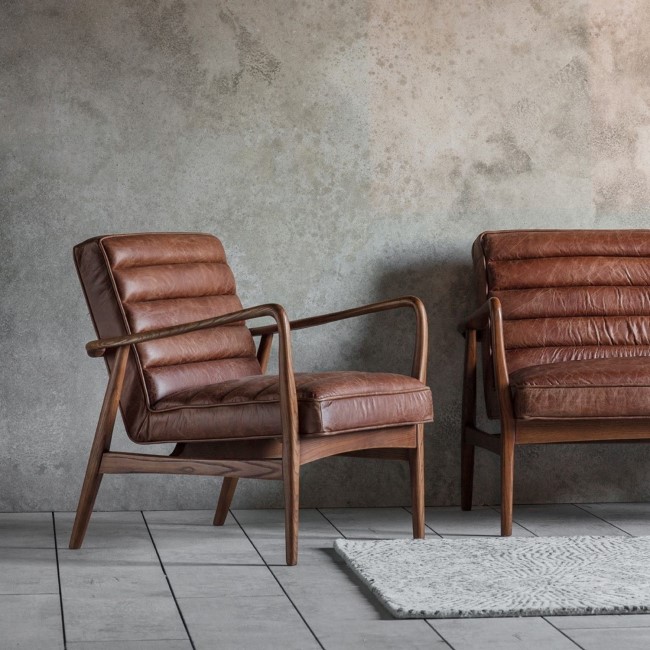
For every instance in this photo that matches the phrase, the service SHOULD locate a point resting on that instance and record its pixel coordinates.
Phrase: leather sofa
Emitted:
(563, 323)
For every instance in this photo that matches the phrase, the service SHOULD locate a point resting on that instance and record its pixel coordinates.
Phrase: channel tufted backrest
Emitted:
(135, 283)
(567, 294)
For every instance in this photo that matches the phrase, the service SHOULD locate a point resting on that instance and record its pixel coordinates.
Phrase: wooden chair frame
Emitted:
(485, 325)
(265, 458)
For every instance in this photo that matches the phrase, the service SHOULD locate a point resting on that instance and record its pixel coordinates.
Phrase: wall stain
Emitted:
(253, 57)
(165, 28)
(514, 161)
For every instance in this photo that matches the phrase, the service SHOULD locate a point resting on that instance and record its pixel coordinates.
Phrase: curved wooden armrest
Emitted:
(480, 319)
(98, 348)
(421, 337)
(288, 395)
(490, 316)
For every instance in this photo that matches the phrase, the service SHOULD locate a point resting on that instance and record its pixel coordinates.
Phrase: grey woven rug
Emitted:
(515, 576)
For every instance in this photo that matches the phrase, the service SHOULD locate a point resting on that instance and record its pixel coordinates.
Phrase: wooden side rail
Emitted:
(115, 462)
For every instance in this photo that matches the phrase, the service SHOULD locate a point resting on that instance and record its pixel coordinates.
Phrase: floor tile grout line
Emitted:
(603, 519)
(284, 591)
(340, 533)
(58, 577)
(28, 594)
(331, 523)
(435, 532)
(514, 521)
(428, 622)
(563, 633)
(169, 584)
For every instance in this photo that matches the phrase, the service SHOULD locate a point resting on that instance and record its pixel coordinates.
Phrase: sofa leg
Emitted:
(466, 475)
(228, 487)
(416, 465)
(507, 483)
(468, 419)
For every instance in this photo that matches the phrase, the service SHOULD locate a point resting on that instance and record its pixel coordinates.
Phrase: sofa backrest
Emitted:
(567, 294)
(140, 282)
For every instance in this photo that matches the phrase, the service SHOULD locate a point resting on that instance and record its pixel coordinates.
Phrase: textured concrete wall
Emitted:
(345, 152)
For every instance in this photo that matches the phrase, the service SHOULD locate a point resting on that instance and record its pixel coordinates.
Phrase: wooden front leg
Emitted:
(101, 444)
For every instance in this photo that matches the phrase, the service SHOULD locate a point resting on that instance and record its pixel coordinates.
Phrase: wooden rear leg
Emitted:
(225, 499)
(468, 419)
(416, 466)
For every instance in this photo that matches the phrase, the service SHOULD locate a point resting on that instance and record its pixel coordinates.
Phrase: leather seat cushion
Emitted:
(328, 403)
(591, 388)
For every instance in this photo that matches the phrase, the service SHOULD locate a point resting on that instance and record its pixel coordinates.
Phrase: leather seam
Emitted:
(278, 436)
(565, 386)
(153, 266)
(205, 295)
(189, 363)
(566, 257)
(312, 400)
(584, 345)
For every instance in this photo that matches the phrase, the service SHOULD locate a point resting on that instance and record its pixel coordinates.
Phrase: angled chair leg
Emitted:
(87, 498)
(101, 443)
(466, 475)
(225, 499)
(507, 482)
(416, 466)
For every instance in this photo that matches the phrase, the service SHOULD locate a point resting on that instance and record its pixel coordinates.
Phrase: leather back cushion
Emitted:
(136, 283)
(568, 294)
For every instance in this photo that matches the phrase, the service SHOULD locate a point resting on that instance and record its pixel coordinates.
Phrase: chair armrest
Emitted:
(98, 348)
(489, 317)
(479, 320)
(498, 345)
(288, 395)
(410, 302)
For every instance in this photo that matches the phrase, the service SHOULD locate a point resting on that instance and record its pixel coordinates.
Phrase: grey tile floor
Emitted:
(171, 581)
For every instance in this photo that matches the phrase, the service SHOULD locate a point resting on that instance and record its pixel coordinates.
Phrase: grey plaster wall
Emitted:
(345, 152)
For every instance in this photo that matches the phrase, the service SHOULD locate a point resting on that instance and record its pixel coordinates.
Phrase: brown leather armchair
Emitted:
(564, 327)
(183, 368)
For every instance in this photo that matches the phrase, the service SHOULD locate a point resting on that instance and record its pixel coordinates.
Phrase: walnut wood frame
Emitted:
(264, 458)
(485, 325)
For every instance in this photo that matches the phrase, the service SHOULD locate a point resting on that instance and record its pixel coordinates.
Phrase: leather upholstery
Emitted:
(568, 297)
(328, 402)
(592, 388)
(209, 384)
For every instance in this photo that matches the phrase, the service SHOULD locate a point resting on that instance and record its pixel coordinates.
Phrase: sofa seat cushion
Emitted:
(328, 403)
(591, 388)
